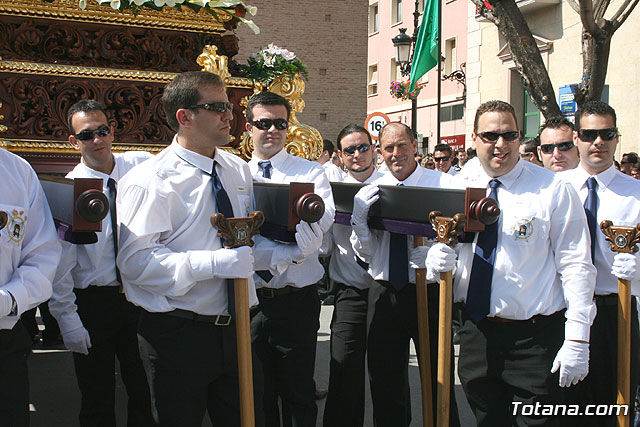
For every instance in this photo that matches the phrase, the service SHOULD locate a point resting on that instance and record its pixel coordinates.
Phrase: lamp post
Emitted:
(405, 46)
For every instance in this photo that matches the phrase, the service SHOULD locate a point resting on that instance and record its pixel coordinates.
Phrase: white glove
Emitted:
(233, 263)
(362, 201)
(625, 266)
(5, 303)
(417, 256)
(77, 340)
(440, 258)
(573, 361)
(308, 238)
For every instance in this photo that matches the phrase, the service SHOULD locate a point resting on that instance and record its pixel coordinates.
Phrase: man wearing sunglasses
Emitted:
(529, 150)
(97, 323)
(442, 158)
(556, 149)
(522, 321)
(333, 172)
(345, 401)
(392, 260)
(174, 265)
(607, 194)
(285, 324)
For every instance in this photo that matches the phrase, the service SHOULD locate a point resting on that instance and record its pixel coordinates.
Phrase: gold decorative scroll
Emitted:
(66, 147)
(171, 18)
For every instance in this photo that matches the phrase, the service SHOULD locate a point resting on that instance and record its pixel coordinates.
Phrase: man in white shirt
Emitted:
(284, 326)
(615, 197)
(522, 321)
(334, 173)
(173, 264)
(345, 400)
(392, 260)
(97, 323)
(556, 149)
(30, 253)
(443, 157)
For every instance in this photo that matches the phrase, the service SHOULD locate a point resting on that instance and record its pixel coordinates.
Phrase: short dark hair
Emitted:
(531, 146)
(407, 130)
(631, 157)
(443, 147)
(184, 91)
(556, 122)
(266, 98)
(490, 106)
(84, 106)
(327, 145)
(595, 107)
(348, 130)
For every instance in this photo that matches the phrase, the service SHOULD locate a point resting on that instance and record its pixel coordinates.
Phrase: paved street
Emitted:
(55, 397)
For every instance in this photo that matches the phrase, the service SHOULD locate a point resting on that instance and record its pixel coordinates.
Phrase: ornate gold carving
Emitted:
(169, 18)
(66, 147)
(237, 232)
(210, 61)
(3, 128)
(621, 238)
(447, 229)
(302, 140)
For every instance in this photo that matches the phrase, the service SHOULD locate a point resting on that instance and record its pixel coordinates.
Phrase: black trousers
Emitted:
(392, 322)
(501, 363)
(15, 347)
(345, 401)
(284, 333)
(192, 367)
(51, 331)
(600, 385)
(112, 323)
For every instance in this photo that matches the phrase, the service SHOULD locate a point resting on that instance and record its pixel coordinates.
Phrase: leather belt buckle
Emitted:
(222, 320)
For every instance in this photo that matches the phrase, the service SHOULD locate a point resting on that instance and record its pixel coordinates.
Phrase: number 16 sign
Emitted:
(374, 122)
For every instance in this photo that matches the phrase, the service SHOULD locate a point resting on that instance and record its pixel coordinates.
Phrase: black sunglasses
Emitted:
(590, 135)
(510, 135)
(562, 146)
(441, 159)
(87, 135)
(265, 124)
(218, 107)
(363, 148)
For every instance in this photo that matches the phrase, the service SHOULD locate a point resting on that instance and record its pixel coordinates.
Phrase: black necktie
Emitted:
(479, 291)
(591, 209)
(223, 206)
(265, 167)
(113, 192)
(398, 260)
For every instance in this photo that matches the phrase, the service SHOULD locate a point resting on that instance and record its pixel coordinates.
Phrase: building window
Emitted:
(327, 18)
(531, 117)
(372, 80)
(450, 59)
(451, 112)
(323, 71)
(420, 6)
(396, 11)
(394, 71)
(373, 18)
(323, 117)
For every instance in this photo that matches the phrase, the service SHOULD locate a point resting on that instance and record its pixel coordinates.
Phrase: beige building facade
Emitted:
(330, 37)
(557, 29)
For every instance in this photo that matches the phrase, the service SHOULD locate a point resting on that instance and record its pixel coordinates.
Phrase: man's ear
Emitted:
(249, 128)
(74, 142)
(473, 140)
(184, 117)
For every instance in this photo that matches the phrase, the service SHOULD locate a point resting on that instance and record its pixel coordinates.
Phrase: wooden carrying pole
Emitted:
(623, 239)
(424, 356)
(447, 230)
(237, 232)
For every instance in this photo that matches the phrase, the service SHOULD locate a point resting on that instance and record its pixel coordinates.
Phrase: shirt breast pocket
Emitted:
(13, 222)
(525, 227)
(244, 200)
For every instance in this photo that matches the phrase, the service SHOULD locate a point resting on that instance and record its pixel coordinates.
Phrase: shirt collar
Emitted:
(412, 180)
(604, 178)
(205, 164)
(508, 179)
(277, 160)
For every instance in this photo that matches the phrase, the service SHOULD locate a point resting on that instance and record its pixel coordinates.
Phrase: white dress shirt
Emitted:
(286, 169)
(334, 173)
(166, 240)
(29, 248)
(619, 202)
(343, 267)
(375, 251)
(542, 261)
(82, 266)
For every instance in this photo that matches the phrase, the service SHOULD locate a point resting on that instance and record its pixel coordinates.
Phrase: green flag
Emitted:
(425, 55)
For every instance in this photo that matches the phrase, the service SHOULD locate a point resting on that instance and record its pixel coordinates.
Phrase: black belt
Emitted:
(273, 293)
(218, 319)
(606, 300)
(94, 288)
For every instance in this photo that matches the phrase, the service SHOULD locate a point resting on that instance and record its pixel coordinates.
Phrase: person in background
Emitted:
(628, 162)
(442, 157)
(556, 149)
(462, 156)
(333, 171)
(529, 150)
(428, 162)
(31, 251)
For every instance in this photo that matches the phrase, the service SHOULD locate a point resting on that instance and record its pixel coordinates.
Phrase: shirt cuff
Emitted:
(69, 322)
(201, 263)
(576, 331)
